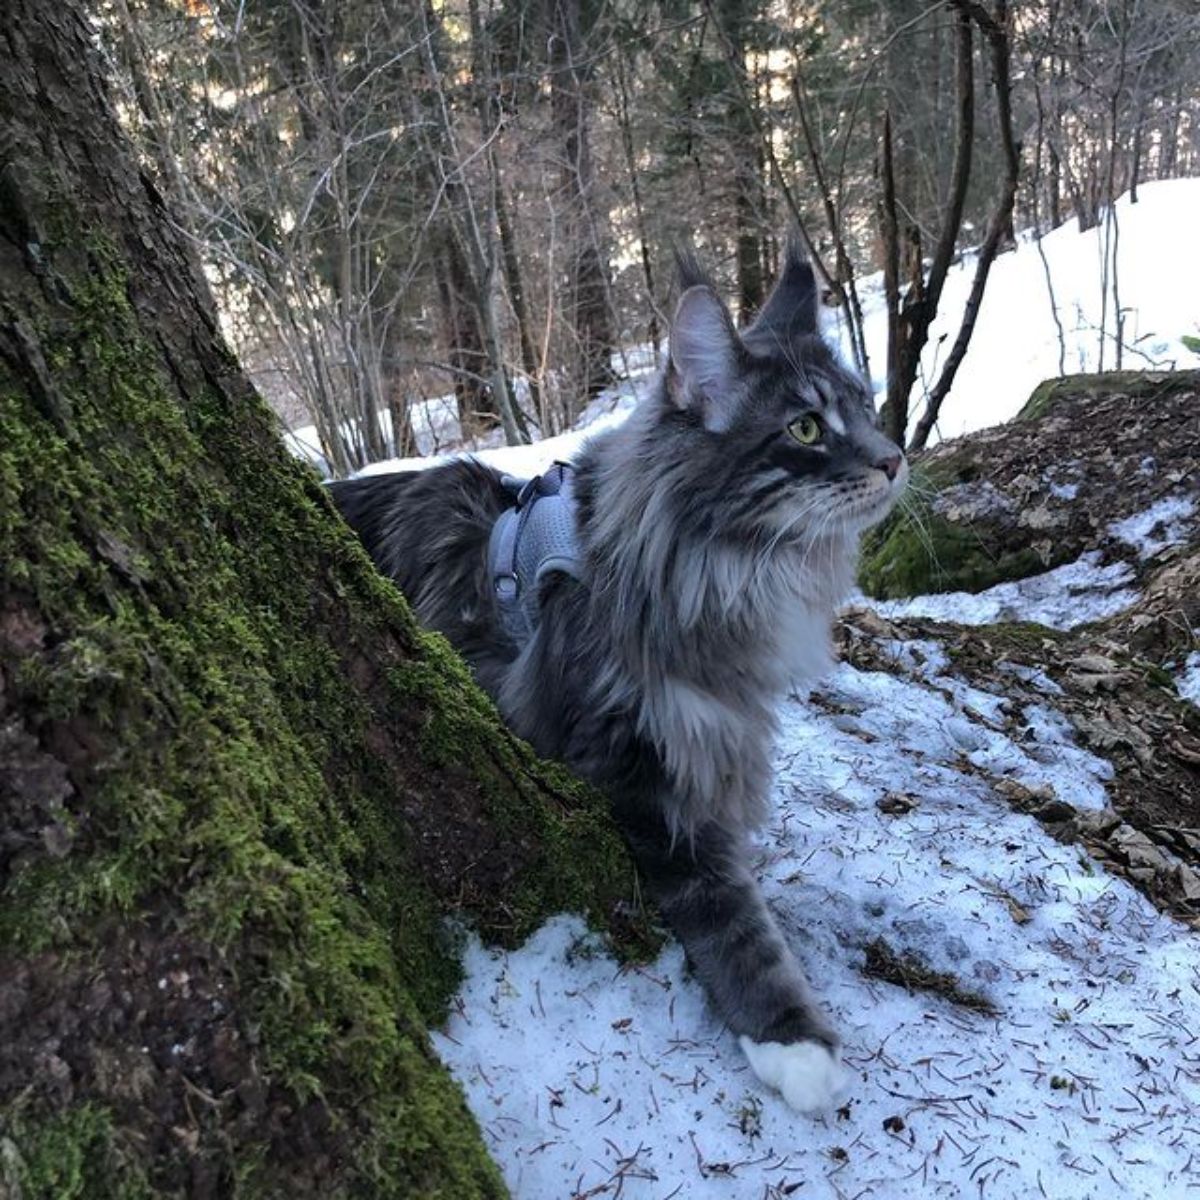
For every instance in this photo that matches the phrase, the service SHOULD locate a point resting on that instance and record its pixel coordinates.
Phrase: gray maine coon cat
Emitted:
(718, 528)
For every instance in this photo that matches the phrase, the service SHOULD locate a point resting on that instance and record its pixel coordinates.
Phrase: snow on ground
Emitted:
(1160, 526)
(1188, 682)
(525, 461)
(589, 1081)
(1067, 596)
(439, 437)
(1015, 345)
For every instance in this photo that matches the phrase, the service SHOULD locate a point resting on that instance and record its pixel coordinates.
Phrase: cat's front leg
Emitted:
(704, 888)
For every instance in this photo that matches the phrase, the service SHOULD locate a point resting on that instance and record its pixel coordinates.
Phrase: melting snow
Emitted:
(1063, 491)
(1067, 596)
(1160, 526)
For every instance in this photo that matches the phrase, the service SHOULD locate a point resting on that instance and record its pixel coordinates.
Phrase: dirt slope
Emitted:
(1101, 466)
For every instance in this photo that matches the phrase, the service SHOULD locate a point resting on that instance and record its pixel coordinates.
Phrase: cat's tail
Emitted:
(428, 531)
(371, 505)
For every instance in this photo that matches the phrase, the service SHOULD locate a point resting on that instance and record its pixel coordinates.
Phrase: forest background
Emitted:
(399, 200)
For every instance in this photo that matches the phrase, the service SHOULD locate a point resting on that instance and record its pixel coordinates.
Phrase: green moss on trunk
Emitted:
(70, 1156)
(239, 776)
(230, 786)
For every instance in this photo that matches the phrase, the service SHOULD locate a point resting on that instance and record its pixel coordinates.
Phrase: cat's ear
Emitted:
(704, 357)
(791, 308)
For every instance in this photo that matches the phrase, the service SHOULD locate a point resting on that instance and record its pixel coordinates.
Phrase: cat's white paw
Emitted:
(808, 1075)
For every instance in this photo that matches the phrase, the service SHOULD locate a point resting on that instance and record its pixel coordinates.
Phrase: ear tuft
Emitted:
(688, 271)
(791, 308)
(704, 355)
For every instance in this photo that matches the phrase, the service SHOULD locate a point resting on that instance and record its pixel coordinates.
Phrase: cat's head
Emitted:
(791, 431)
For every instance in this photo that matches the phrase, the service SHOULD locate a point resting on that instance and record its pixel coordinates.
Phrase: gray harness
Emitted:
(528, 542)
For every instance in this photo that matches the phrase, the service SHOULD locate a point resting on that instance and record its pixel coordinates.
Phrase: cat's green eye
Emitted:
(806, 430)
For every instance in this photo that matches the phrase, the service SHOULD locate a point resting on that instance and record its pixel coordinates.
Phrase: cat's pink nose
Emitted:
(890, 466)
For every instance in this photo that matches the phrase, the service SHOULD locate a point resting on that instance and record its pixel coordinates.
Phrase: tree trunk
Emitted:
(747, 166)
(461, 335)
(514, 279)
(238, 786)
(1055, 183)
(589, 311)
(653, 326)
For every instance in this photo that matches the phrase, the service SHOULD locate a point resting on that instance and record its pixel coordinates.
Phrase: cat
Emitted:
(717, 530)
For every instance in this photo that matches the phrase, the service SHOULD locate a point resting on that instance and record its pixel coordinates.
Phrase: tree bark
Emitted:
(515, 281)
(465, 353)
(589, 308)
(746, 155)
(910, 318)
(238, 787)
(995, 33)
(655, 322)
(844, 286)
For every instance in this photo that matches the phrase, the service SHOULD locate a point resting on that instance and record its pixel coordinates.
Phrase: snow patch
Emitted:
(1188, 683)
(1063, 491)
(1015, 345)
(1160, 526)
(438, 435)
(1070, 595)
(527, 461)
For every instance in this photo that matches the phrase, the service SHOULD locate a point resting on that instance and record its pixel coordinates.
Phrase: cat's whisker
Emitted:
(815, 540)
(915, 514)
(765, 556)
(789, 526)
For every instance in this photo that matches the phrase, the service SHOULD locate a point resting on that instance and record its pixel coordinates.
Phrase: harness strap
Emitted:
(528, 541)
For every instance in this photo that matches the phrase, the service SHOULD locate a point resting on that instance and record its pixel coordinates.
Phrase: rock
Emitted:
(1139, 849)
(973, 502)
(897, 804)
(1042, 517)
(1055, 810)
(1098, 824)
(1098, 664)
(1189, 884)
(992, 509)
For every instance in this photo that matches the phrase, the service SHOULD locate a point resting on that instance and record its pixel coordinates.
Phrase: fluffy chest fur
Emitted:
(707, 628)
